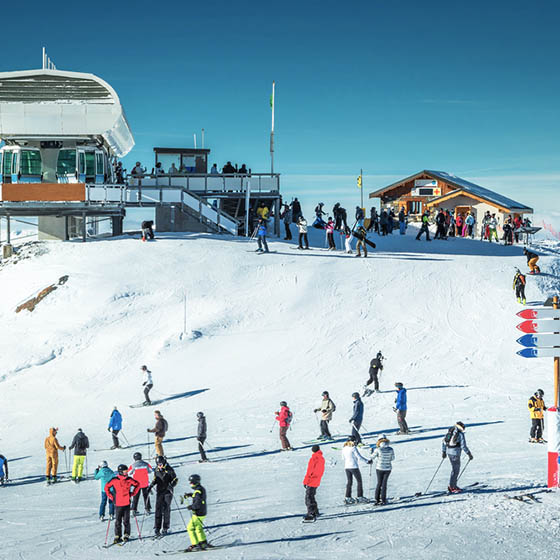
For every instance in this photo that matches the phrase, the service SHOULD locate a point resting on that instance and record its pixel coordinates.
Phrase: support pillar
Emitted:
(117, 225)
(84, 227)
(8, 230)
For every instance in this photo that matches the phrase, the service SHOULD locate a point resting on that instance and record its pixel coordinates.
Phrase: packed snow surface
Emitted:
(266, 328)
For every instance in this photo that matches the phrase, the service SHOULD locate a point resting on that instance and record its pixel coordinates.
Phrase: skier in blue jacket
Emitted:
(115, 426)
(261, 236)
(357, 417)
(104, 474)
(400, 408)
(3, 470)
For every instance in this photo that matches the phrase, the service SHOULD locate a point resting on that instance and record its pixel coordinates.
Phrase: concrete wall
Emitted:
(171, 218)
(52, 228)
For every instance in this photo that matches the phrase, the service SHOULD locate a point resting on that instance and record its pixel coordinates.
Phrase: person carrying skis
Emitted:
(312, 481)
(115, 426)
(453, 443)
(51, 447)
(159, 431)
(164, 480)
(4, 478)
(147, 230)
(330, 234)
(147, 383)
(120, 491)
(352, 457)
(383, 456)
(375, 366)
(357, 417)
(361, 236)
(532, 259)
(424, 227)
(537, 407)
(140, 471)
(327, 407)
(199, 510)
(519, 282)
(261, 237)
(201, 436)
(400, 408)
(302, 227)
(80, 445)
(284, 418)
(104, 474)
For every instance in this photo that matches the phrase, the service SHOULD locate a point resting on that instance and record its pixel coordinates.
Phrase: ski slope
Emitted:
(284, 326)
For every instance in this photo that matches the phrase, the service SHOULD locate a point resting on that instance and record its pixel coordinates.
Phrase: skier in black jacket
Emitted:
(375, 366)
(147, 230)
(164, 480)
(80, 444)
(201, 436)
(195, 528)
(3, 470)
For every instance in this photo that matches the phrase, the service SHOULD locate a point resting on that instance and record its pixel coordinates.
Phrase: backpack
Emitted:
(333, 406)
(289, 417)
(451, 438)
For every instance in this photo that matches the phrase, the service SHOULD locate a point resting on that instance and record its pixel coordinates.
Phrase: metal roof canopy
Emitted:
(189, 151)
(57, 104)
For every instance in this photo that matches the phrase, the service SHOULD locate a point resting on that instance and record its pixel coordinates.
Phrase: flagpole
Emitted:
(272, 133)
(361, 189)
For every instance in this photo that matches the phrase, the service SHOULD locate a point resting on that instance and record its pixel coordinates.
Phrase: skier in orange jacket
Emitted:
(51, 447)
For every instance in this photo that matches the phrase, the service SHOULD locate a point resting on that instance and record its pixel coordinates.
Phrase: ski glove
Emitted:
(370, 462)
(316, 410)
(143, 384)
(108, 429)
(443, 454)
(470, 456)
(394, 409)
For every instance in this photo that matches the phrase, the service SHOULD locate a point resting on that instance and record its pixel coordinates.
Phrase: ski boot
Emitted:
(349, 501)
(193, 548)
(134, 513)
(362, 500)
(111, 517)
(165, 532)
(54, 479)
(48, 479)
(524, 301)
(126, 538)
(456, 490)
(533, 440)
(113, 447)
(117, 540)
(308, 519)
(101, 518)
(540, 440)
(518, 300)
(157, 534)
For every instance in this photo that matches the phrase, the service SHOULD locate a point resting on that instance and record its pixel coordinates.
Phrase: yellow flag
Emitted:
(359, 181)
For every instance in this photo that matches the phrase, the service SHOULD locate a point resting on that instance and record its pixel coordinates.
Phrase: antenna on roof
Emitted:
(48, 64)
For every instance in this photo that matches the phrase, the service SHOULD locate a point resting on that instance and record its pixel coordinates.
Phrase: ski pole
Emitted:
(87, 471)
(107, 533)
(179, 509)
(464, 469)
(138, 528)
(66, 460)
(125, 438)
(148, 436)
(274, 424)
(430, 483)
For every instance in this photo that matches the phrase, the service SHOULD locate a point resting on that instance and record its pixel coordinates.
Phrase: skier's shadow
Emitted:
(180, 396)
(287, 539)
(208, 451)
(164, 441)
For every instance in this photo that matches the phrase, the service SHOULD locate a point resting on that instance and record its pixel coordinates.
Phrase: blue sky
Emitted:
(388, 86)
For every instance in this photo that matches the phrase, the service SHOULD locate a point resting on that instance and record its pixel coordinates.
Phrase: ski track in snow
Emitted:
(288, 328)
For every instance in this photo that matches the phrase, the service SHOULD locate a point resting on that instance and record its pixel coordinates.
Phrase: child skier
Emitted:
(195, 528)
(357, 417)
(384, 456)
(104, 474)
(261, 237)
(284, 418)
(453, 443)
(532, 259)
(536, 407)
(147, 383)
(201, 436)
(330, 234)
(352, 457)
(348, 241)
(519, 282)
(302, 227)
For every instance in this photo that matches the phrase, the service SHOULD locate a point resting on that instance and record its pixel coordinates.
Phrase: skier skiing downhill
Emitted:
(401, 408)
(115, 426)
(4, 478)
(375, 366)
(51, 447)
(104, 474)
(201, 436)
(352, 457)
(537, 407)
(327, 407)
(383, 455)
(198, 507)
(159, 431)
(140, 471)
(147, 383)
(165, 481)
(312, 481)
(453, 443)
(519, 282)
(80, 445)
(120, 490)
(284, 418)
(357, 417)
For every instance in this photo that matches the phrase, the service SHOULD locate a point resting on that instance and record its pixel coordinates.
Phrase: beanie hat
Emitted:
(315, 448)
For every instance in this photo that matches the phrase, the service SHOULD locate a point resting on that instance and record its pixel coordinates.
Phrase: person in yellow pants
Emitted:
(80, 445)
(195, 528)
(51, 447)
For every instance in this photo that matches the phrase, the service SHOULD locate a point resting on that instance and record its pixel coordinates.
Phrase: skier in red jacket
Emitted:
(284, 418)
(312, 480)
(124, 489)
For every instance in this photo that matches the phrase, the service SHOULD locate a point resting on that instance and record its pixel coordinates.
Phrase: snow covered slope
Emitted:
(284, 326)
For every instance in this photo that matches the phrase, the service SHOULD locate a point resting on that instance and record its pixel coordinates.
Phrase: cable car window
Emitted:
(8, 156)
(99, 164)
(81, 162)
(30, 162)
(66, 164)
(90, 164)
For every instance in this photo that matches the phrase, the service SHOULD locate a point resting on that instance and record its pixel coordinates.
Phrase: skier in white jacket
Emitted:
(147, 383)
(352, 457)
(383, 457)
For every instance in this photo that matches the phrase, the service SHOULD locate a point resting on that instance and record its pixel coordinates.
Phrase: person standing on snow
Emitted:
(284, 418)
(361, 236)
(536, 407)
(357, 417)
(287, 217)
(440, 222)
(147, 383)
(424, 227)
(140, 471)
(453, 443)
(330, 234)
(199, 510)
(493, 228)
(383, 456)
(402, 221)
(470, 221)
(326, 408)
(104, 474)
(312, 481)
(80, 445)
(302, 227)
(400, 408)
(120, 490)
(201, 436)
(115, 426)
(261, 237)
(352, 457)
(4, 478)
(375, 366)
(159, 431)
(164, 480)
(51, 447)
(519, 282)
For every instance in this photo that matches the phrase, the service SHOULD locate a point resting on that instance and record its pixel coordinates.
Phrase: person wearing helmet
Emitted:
(195, 528)
(400, 408)
(115, 426)
(284, 418)
(375, 366)
(536, 408)
(4, 478)
(147, 383)
(104, 474)
(453, 443)
(519, 282)
(201, 436)
(327, 407)
(140, 471)
(357, 417)
(120, 490)
(164, 480)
